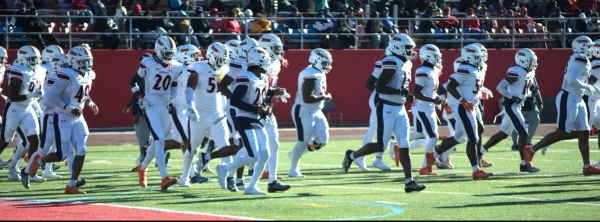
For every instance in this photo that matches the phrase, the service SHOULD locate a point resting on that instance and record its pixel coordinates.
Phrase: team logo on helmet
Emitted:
(470, 50)
(265, 40)
(319, 53)
(521, 54)
(214, 48)
(430, 49)
(397, 39)
(243, 43)
(55, 59)
(49, 51)
(184, 50)
(231, 44)
(582, 41)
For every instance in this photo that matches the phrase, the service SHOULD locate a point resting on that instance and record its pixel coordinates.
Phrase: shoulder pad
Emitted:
(596, 64)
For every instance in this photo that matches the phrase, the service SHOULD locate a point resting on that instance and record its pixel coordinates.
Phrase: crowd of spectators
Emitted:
(338, 19)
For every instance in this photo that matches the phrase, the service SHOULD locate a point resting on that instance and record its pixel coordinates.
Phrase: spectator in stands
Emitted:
(246, 26)
(36, 24)
(573, 22)
(165, 23)
(341, 27)
(261, 25)
(350, 14)
(484, 23)
(375, 28)
(295, 21)
(95, 7)
(109, 41)
(202, 26)
(130, 2)
(511, 23)
(358, 7)
(465, 4)
(594, 24)
(427, 25)
(550, 7)
(20, 21)
(119, 12)
(326, 13)
(256, 6)
(185, 6)
(218, 4)
(284, 6)
(499, 23)
(382, 4)
(388, 24)
(476, 6)
(322, 4)
(494, 7)
(62, 5)
(183, 26)
(587, 4)
(535, 11)
(470, 23)
(338, 5)
(215, 23)
(451, 22)
(136, 23)
(580, 24)
(14, 4)
(232, 26)
(174, 5)
(325, 25)
(527, 23)
(270, 8)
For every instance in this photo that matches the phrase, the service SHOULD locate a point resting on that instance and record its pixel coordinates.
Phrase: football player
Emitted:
(392, 86)
(426, 84)
(3, 64)
(572, 112)
(465, 86)
(593, 104)
(484, 94)
(69, 94)
(142, 132)
(307, 115)
(249, 99)
(161, 74)
(47, 55)
(516, 87)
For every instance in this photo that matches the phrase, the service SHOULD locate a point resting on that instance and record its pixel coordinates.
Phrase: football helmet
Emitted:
(526, 59)
(272, 44)
(165, 49)
(317, 57)
(3, 56)
(217, 55)
(258, 56)
(472, 55)
(232, 47)
(245, 46)
(58, 62)
(49, 52)
(431, 54)
(188, 54)
(29, 56)
(583, 44)
(80, 59)
(402, 45)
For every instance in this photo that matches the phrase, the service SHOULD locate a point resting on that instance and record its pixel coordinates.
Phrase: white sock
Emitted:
(259, 167)
(272, 162)
(188, 158)
(379, 154)
(48, 167)
(19, 153)
(72, 182)
(475, 168)
(150, 152)
(227, 160)
(159, 153)
(523, 162)
(445, 154)
(207, 156)
(239, 180)
(413, 135)
(241, 161)
(352, 156)
(193, 170)
(418, 144)
(297, 153)
(482, 150)
(435, 153)
(408, 180)
(70, 159)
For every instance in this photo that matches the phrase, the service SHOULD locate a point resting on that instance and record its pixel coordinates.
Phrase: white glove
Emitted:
(284, 97)
(39, 112)
(593, 89)
(192, 112)
(36, 94)
(488, 91)
(168, 97)
(143, 103)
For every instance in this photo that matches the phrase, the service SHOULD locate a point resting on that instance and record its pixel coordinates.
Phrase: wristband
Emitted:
(91, 103)
(135, 89)
(461, 99)
(140, 96)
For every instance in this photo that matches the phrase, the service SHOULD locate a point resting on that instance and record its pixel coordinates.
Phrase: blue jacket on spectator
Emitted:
(175, 4)
(295, 23)
(135, 107)
(388, 23)
(95, 8)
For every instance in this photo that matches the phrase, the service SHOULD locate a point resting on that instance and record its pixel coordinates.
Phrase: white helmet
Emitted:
(402, 45)
(431, 54)
(245, 46)
(483, 50)
(472, 55)
(217, 55)
(272, 44)
(583, 44)
(29, 56)
(49, 52)
(318, 56)
(188, 54)
(457, 63)
(58, 62)
(81, 59)
(596, 48)
(165, 49)
(526, 59)
(387, 52)
(258, 56)
(232, 48)
(3, 56)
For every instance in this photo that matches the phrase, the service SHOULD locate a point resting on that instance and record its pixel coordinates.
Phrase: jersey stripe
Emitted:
(510, 74)
(421, 75)
(242, 80)
(142, 65)
(62, 76)
(15, 72)
(389, 63)
(462, 71)
(581, 60)
(235, 66)
(191, 71)
(596, 66)
(50, 82)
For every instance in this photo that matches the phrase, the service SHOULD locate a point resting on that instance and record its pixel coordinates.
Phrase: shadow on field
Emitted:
(540, 192)
(582, 200)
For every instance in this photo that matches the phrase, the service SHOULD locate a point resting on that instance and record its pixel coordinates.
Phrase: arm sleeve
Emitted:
(574, 75)
(189, 94)
(236, 99)
(502, 88)
(421, 78)
(58, 87)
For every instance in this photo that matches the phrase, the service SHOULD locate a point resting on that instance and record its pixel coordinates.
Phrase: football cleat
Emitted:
(413, 186)
(295, 174)
(360, 162)
(207, 169)
(528, 156)
(254, 190)
(3, 163)
(231, 185)
(448, 162)
(80, 182)
(184, 182)
(142, 176)
(265, 175)
(167, 182)
(425, 171)
(13, 173)
(54, 167)
(50, 174)
(202, 162)
(591, 170)
(485, 163)
(441, 165)
(544, 149)
(134, 169)
(222, 175)
(378, 162)
(198, 179)
(347, 161)
(25, 179)
(525, 168)
(241, 185)
(73, 190)
(514, 148)
(37, 179)
(276, 186)
(35, 165)
(430, 160)
(397, 154)
(480, 174)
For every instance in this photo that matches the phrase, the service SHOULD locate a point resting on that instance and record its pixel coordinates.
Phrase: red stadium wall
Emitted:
(345, 82)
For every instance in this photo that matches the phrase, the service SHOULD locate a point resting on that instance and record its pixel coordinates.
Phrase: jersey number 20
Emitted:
(165, 82)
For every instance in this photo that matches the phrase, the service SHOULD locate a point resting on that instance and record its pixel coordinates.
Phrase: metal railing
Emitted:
(462, 37)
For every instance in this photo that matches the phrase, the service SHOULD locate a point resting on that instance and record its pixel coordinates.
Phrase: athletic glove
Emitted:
(410, 98)
(404, 92)
(468, 105)
(192, 112)
(447, 109)
(168, 97)
(36, 94)
(143, 103)
(486, 93)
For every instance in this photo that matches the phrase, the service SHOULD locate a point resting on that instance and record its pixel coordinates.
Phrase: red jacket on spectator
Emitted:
(231, 25)
(522, 24)
(471, 23)
(451, 20)
(79, 4)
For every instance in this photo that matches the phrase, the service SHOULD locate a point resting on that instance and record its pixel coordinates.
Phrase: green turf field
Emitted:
(558, 192)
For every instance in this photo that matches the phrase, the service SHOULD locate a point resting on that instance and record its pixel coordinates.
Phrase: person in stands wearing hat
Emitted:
(499, 23)
(427, 25)
(524, 23)
(202, 26)
(495, 7)
(556, 24)
(295, 20)
(389, 24)
(232, 26)
(322, 4)
(450, 21)
(470, 23)
(511, 23)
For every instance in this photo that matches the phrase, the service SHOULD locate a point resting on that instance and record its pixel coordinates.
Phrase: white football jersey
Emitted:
(2, 71)
(32, 81)
(310, 73)
(206, 95)
(273, 72)
(429, 79)
(235, 67)
(46, 105)
(48, 68)
(180, 100)
(401, 78)
(158, 79)
(256, 93)
(449, 98)
(577, 59)
(470, 80)
(77, 88)
(521, 87)
(595, 64)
